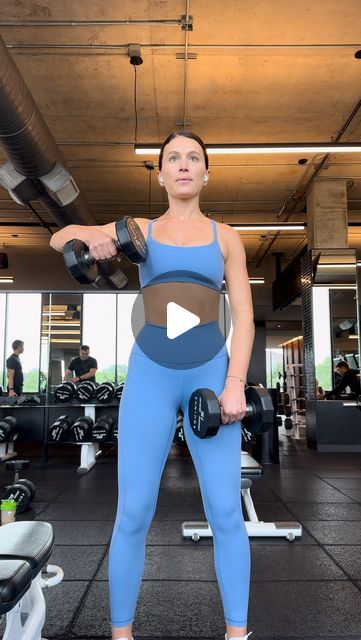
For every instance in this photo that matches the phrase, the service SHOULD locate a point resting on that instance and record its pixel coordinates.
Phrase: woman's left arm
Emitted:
(241, 305)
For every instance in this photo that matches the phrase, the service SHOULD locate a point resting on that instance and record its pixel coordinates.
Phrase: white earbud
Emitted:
(161, 181)
(205, 179)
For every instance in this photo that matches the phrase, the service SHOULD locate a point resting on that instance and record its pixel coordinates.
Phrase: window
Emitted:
(23, 323)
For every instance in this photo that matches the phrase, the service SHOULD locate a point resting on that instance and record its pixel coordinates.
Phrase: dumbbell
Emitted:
(8, 429)
(130, 241)
(65, 391)
(119, 390)
(105, 392)
(80, 430)
(22, 490)
(85, 391)
(58, 431)
(114, 431)
(205, 414)
(102, 429)
(288, 424)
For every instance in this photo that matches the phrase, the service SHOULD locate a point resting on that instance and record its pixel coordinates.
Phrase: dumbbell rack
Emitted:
(89, 451)
(294, 376)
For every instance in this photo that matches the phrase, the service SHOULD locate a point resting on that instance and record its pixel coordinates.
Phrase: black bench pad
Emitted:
(25, 547)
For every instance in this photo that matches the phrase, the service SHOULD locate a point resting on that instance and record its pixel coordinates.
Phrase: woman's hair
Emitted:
(185, 134)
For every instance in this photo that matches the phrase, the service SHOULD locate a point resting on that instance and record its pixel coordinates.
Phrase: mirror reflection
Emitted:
(61, 334)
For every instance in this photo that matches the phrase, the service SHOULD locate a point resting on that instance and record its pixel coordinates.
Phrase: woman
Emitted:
(157, 386)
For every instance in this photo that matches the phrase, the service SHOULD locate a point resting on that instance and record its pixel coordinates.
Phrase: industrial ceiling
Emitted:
(233, 72)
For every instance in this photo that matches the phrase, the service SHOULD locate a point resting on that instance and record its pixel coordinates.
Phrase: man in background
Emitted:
(83, 367)
(15, 370)
(349, 378)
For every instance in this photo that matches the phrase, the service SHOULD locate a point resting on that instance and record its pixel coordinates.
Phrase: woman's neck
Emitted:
(183, 211)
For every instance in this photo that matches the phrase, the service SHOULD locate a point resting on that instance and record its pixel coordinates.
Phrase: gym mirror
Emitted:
(61, 333)
(335, 313)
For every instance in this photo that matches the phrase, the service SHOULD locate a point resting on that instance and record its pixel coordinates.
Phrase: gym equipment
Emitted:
(130, 241)
(205, 414)
(114, 431)
(22, 490)
(101, 429)
(119, 390)
(85, 391)
(251, 470)
(105, 392)
(9, 429)
(279, 421)
(288, 424)
(65, 391)
(80, 430)
(28, 400)
(25, 550)
(58, 431)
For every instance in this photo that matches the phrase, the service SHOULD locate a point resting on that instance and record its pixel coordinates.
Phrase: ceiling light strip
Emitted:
(279, 147)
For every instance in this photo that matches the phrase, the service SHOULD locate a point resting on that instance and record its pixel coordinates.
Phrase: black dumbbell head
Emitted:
(85, 391)
(30, 485)
(80, 431)
(102, 429)
(19, 493)
(80, 264)
(105, 392)
(130, 240)
(204, 413)
(65, 391)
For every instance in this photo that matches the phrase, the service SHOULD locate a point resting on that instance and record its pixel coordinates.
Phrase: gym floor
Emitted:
(310, 588)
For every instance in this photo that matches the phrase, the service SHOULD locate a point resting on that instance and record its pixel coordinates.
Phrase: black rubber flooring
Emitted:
(308, 589)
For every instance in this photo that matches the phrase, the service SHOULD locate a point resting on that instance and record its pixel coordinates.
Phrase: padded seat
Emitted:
(250, 467)
(25, 547)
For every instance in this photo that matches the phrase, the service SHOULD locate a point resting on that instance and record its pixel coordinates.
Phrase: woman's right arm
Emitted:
(100, 239)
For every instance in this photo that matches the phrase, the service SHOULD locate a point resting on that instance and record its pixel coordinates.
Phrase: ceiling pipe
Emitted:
(33, 152)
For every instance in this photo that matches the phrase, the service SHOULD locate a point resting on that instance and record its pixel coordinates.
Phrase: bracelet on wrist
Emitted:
(239, 379)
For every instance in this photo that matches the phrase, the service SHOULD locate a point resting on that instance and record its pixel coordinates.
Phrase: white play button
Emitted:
(179, 320)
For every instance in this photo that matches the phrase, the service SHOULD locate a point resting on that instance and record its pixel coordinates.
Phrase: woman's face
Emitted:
(183, 168)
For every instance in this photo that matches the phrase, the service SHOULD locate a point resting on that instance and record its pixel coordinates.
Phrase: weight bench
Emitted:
(25, 548)
(251, 470)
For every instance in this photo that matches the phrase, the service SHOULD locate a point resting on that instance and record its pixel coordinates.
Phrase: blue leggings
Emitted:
(153, 393)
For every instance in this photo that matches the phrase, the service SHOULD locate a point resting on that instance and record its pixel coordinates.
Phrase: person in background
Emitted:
(319, 391)
(15, 370)
(349, 378)
(83, 367)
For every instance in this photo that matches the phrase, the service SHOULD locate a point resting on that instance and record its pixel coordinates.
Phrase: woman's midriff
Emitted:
(198, 299)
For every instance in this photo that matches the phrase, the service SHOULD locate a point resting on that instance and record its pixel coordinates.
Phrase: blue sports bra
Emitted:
(201, 264)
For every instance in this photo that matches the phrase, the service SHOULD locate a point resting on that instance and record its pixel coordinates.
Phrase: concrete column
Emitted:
(327, 215)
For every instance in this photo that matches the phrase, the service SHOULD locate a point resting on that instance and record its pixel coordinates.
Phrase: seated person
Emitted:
(319, 391)
(84, 367)
(349, 378)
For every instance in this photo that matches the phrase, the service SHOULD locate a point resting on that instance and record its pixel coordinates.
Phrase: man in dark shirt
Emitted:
(349, 378)
(15, 370)
(83, 367)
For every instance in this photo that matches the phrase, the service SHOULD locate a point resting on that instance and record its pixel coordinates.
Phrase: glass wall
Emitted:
(130, 315)
(23, 315)
(99, 332)
(274, 366)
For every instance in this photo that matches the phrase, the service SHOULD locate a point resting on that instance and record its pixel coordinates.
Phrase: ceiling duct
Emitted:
(33, 152)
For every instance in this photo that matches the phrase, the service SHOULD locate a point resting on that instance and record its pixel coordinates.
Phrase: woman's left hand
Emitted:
(232, 403)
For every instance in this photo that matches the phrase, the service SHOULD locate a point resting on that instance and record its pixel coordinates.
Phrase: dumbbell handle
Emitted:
(90, 260)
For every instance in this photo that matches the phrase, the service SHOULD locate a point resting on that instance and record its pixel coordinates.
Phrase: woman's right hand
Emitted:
(101, 245)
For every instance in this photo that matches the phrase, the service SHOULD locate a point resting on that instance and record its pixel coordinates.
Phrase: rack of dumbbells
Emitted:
(284, 409)
(85, 415)
(297, 399)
